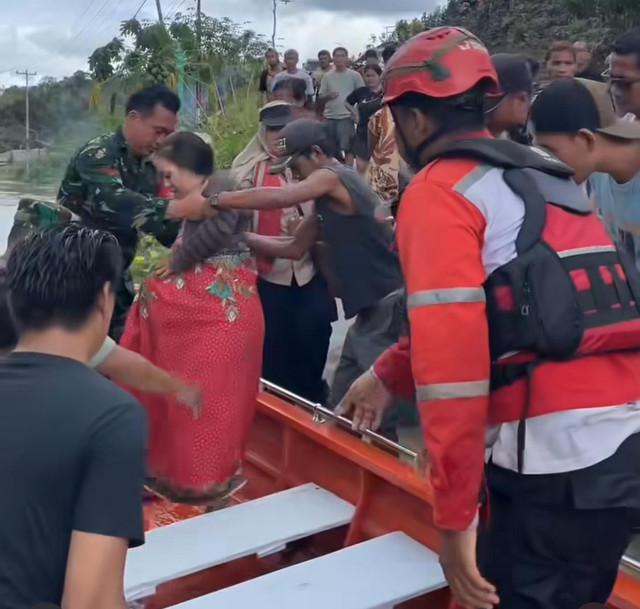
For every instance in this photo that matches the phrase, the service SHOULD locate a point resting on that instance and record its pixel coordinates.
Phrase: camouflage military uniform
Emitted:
(108, 188)
(33, 214)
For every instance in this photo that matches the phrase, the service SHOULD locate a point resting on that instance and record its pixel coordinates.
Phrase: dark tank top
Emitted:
(359, 247)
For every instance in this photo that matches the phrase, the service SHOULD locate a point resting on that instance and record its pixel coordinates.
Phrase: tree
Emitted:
(209, 47)
(275, 20)
(619, 15)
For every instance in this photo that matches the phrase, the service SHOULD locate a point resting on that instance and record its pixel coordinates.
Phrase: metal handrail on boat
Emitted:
(321, 412)
(631, 564)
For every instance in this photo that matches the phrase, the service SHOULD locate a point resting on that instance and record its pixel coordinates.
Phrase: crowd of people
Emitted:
(478, 220)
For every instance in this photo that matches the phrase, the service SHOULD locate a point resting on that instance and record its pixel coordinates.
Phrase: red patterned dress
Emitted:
(204, 325)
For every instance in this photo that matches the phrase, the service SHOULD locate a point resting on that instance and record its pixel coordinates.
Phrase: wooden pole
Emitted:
(159, 7)
(27, 130)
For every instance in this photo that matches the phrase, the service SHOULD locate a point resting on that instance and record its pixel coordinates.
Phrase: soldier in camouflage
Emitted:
(111, 184)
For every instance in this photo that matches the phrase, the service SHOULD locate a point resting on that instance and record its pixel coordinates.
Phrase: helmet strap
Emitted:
(414, 154)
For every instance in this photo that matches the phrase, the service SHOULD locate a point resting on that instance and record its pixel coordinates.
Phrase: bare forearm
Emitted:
(277, 247)
(255, 198)
(131, 369)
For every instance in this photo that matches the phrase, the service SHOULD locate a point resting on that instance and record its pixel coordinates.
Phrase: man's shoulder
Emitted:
(100, 147)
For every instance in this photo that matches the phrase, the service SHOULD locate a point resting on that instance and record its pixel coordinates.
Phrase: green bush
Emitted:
(232, 129)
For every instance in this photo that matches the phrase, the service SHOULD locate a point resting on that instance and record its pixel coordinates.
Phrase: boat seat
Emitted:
(377, 574)
(260, 526)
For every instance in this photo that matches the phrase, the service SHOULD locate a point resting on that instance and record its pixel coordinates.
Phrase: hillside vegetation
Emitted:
(532, 25)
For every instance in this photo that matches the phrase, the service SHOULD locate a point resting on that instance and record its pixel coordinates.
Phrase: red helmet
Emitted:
(442, 62)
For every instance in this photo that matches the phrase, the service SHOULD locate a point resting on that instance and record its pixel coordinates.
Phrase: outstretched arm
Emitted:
(132, 370)
(318, 184)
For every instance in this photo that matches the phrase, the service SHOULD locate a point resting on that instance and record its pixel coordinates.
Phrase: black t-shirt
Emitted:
(368, 103)
(72, 449)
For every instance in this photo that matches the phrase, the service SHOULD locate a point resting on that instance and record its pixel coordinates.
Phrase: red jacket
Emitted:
(458, 222)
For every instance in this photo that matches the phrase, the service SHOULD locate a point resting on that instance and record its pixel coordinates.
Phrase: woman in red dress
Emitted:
(201, 318)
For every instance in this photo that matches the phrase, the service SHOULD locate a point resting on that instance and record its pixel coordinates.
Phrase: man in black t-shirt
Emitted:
(73, 444)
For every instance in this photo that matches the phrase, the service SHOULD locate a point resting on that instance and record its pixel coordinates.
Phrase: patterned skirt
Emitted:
(205, 327)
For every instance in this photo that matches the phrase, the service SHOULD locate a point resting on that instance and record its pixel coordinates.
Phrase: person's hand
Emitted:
(251, 239)
(293, 223)
(191, 397)
(163, 271)
(191, 207)
(368, 398)
(458, 561)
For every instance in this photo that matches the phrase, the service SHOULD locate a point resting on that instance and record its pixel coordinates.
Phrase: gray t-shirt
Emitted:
(343, 83)
(301, 74)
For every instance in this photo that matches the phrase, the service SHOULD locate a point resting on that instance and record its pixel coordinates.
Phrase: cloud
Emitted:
(55, 39)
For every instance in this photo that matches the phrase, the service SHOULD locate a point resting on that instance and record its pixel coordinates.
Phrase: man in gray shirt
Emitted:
(291, 59)
(335, 87)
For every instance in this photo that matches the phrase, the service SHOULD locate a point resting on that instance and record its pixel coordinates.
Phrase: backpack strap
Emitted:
(535, 208)
(507, 155)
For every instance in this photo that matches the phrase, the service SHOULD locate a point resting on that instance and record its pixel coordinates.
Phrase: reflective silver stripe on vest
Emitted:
(452, 391)
(471, 178)
(596, 249)
(446, 296)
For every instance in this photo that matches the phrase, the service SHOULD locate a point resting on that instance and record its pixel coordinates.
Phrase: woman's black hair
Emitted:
(188, 151)
(374, 67)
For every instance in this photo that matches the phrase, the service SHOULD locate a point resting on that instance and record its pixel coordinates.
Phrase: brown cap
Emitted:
(567, 106)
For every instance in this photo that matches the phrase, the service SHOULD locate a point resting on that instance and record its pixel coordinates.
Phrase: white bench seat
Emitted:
(255, 527)
(379, 573)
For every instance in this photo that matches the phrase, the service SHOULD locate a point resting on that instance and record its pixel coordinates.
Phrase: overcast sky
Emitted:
(55, 37)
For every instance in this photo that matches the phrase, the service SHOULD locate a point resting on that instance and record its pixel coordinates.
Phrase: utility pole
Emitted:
(199, 37)
(27, 131)
(159, 12)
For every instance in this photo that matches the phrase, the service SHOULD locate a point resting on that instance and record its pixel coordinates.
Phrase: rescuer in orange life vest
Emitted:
(525, 334)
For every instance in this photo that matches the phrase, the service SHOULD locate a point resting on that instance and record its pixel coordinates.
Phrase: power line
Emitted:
(139, 9)
(175, 11)
(75, 36)
(113, 11)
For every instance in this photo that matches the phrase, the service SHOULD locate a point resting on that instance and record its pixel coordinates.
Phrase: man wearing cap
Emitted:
(361, 259)
(507, 113)
(576, 121)
(298, 309)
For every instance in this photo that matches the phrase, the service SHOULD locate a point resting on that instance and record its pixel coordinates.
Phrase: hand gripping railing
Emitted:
(322, 414)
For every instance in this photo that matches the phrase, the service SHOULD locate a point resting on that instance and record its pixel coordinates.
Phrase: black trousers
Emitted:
(297, 333)
(540, 551)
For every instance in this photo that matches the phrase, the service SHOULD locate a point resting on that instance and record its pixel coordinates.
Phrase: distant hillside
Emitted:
(532, 25)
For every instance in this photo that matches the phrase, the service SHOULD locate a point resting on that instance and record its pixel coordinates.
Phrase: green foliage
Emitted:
(528, 26)
(150, 253)
(209, 45)
(231, 131)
